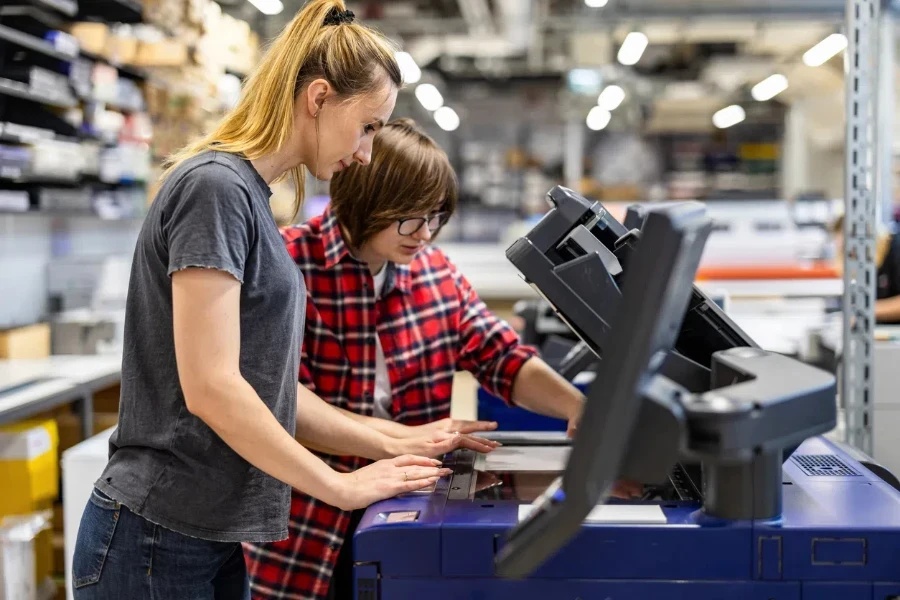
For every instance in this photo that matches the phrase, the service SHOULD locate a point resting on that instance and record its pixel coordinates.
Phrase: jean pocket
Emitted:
(95, 534)
(103, 501)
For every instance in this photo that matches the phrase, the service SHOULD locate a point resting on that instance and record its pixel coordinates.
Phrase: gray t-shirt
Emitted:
(165, 464)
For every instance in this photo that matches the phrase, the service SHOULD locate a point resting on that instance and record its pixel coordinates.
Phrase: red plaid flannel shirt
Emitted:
(431, 324)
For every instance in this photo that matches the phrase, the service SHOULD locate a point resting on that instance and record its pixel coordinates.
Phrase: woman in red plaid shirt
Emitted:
(389, 321)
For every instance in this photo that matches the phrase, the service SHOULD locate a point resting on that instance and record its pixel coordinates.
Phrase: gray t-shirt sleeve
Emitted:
(208, 222)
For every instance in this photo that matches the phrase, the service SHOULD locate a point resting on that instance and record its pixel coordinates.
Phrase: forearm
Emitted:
(320, 426)
(385, 426)
(238, 416)
(540, 389)
(888, 310)
(388, 428)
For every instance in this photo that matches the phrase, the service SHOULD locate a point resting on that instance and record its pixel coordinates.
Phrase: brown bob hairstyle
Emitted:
(409, 176)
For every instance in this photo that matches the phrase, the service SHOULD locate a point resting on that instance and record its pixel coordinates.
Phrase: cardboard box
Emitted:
(29, 466)
(70, 427)
(29, 478)
(107, 401)
(91, 37)
(32, 341)
(59, 551)
(120, 49)
(58, 516)
(167, 53)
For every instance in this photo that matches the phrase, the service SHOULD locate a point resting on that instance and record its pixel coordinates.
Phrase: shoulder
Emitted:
(209, 169)
(204, 189)
(430, 262)
(201, 181)
(433, 269)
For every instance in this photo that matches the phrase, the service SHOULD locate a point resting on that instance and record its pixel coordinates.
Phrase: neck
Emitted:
(373, 261)
(292, 154)
(272, 166)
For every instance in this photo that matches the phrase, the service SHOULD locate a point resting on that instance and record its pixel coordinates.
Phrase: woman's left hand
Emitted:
(438, 443)
(455, 426)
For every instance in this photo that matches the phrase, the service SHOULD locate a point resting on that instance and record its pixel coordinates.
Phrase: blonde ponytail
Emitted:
(345, 54)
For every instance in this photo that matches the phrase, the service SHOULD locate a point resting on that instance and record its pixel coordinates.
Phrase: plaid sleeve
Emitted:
(305, 376)
(488, 347)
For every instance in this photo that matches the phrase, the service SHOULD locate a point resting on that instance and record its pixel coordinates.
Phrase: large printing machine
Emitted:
(743, 498)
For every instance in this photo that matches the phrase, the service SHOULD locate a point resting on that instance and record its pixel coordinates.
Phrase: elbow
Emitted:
(201, 397)
(197, 403)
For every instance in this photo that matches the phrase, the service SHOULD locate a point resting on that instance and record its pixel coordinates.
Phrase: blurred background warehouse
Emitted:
(740, 104)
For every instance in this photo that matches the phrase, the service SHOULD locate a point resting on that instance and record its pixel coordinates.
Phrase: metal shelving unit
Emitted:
(125, 11)
(66, 7)
(132, 72)
(32, 43)
(869, 105)
(12, 88)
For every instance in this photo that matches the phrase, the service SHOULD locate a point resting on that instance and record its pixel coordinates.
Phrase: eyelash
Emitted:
(368, 128)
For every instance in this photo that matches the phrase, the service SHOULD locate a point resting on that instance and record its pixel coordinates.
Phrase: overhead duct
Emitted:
(512, 38)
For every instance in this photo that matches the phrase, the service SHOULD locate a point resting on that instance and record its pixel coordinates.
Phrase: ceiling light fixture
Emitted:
(819, 54)
(429, 96)
(596, 3)
(729, 116)
(598, 118)
(611, 98)
(268, 7)
(408, 68)
(769, 87)
(632, 48)
(446, 118)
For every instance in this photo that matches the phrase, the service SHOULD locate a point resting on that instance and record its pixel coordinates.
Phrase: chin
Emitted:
(325, 176)
(402, 258)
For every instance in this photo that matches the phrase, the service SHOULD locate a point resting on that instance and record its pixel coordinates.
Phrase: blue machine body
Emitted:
(513, 418)
(838, 539)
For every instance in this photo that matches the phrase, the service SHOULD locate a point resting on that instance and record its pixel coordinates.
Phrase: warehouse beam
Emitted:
(861, 204)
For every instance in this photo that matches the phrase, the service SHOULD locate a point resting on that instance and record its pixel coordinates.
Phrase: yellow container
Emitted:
(29, 479)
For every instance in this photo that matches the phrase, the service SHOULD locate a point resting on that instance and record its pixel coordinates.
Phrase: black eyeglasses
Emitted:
(412, 225)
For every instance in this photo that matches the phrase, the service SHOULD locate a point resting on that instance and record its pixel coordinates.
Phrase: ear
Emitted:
(315, 94)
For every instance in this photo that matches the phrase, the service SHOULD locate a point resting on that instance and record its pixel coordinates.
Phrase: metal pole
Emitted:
(885, 119)
(861, 77)
(573, 158)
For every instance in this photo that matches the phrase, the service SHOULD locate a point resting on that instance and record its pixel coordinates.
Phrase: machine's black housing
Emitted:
(677, 380)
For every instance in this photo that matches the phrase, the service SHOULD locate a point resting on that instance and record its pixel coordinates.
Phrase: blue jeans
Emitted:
(121, 555)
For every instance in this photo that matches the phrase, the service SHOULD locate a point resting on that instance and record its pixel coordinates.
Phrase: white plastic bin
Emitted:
(82, 465)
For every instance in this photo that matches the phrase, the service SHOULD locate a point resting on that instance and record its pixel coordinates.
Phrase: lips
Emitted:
(410, 249)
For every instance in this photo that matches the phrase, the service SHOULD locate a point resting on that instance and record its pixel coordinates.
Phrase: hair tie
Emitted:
(336, 16)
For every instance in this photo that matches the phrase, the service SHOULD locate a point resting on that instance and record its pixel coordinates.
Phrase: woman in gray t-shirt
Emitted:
(204, 455)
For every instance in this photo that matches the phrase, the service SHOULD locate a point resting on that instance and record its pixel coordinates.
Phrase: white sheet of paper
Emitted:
(614, 513)
(524, 459)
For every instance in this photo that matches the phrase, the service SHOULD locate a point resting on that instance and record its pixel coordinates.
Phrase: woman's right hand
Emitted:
(386, 479)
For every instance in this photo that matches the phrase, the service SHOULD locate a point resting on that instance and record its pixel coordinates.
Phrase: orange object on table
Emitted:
(797, 271)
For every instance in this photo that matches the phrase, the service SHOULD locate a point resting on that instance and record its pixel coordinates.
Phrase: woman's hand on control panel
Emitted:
(455, 426)
(385, 479)
(439, 443)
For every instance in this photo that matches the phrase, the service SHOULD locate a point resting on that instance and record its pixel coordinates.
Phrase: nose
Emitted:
(363, 154)
(423, 234)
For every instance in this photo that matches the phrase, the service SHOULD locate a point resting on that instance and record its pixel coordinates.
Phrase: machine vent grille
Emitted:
(367, 589)
(818, 465)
